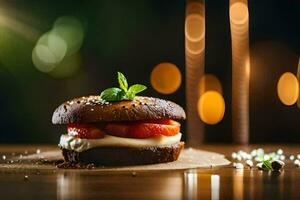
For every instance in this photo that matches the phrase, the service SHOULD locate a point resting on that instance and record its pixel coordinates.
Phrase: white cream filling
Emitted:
(79, 145)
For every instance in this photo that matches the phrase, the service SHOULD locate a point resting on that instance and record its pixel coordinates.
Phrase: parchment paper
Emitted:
(189, 158)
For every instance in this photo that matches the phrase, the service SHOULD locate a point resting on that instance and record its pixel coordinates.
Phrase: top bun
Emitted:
(91, 109)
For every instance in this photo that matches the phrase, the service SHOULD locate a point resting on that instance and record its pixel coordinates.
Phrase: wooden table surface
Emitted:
(211, 183)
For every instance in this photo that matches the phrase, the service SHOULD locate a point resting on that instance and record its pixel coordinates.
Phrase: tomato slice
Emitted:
(85, 131)
(144, 129)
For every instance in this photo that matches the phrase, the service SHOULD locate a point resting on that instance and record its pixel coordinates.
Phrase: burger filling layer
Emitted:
(82, 137)
(79, 145)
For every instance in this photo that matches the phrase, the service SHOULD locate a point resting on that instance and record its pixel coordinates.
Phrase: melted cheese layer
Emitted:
(79, 145)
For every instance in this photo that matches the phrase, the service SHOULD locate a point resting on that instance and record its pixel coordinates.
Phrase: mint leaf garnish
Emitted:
(112, 94)
(137, 88)
(122, 81)
(123, 92)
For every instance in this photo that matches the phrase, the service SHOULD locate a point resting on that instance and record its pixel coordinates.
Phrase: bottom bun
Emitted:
(125, 155)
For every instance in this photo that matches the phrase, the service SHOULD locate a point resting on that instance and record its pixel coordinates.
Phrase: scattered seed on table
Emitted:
(277, 165)
(239, 158)
(280, 151)
(258, 159)
(234, 155)
(249, 157)
(245, 156)
(272, 154)
(239, 166)
(26, 178)
(260, 152)
(282, 157)
(249, 163)
(259, 166)
(253, 153)
(297, 163)
(266, 157)
(133, 174)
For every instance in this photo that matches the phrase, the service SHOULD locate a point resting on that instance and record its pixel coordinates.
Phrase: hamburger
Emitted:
(120, 128)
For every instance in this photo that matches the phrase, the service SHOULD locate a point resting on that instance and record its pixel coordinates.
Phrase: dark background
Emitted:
(133, 36)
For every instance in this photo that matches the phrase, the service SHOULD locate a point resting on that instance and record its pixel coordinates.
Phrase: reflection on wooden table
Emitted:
(210, 183)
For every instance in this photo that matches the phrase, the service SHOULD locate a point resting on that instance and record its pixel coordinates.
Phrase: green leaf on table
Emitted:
(267, 164)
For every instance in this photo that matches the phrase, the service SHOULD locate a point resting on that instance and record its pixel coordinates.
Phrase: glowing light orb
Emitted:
(194, 27)
(68, 67)
(239, 13)
(194, 33)
(248, 70)
(55, 44)
(239, 28)
(56, 50)
(298, 77)
(165, 78)
(288, 89)
(71, 31)
(209, 82)
(43, 58)
(211, 107)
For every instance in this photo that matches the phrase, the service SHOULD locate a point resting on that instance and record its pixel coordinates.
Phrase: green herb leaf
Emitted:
(122, 81)
(130, 95)
(267, 164)
(112, 94)
(137, 88)
(122, 93)
(134, 89)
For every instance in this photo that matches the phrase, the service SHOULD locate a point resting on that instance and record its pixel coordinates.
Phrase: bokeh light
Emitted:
(43, 58)
(239, 13)
(57, 45)
(165, 78)
(193, 27)
(17, 26)
(68, 67)
(298, 77)
(239, 29)
(195, 7)
(211, 107)
(288, 88)
(72, 32)
(48, 52)
(56, 50)
(194, 32)
(209, 82)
